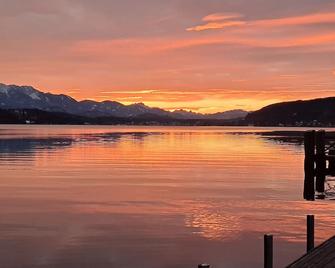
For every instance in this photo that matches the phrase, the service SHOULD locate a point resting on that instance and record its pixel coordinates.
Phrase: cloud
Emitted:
(141, 48)
(317, 18)
(218, 21)
(222, 20)
(254, 41)
(215, 26)
(221, 16)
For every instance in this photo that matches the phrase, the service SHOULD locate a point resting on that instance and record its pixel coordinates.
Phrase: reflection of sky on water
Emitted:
(213, 224)
(19, 149)
(123, 197)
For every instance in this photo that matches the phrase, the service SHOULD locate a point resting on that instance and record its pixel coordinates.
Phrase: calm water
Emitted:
(151, 197)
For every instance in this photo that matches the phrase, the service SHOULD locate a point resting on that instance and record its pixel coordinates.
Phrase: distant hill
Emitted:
(317, 112)
(27, 97)
(35, 116)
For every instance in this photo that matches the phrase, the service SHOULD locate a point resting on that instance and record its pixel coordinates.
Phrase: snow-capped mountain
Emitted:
(20, 97)
(27, 97)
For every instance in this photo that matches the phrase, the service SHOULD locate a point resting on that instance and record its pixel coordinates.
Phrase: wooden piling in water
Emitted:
(320, 161)
(310, 232)
(268, 251)
(331, 159)
(320, 256)
(309, 144)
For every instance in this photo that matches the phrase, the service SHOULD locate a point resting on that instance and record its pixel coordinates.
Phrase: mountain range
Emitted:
(27, 97)
(22, 104)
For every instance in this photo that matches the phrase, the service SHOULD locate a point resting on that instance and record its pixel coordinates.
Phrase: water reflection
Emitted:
(15, 149)
(151, 197)
(213, 223)
(19, 149)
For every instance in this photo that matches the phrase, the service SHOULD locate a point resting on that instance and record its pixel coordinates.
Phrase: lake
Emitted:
(151, 197)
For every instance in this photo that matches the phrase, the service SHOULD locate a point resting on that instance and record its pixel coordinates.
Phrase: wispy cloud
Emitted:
(316, 18)
(216, 25)
(221, 16)
(147, 91)
(152, 46)
(222, 20)
(218, 21)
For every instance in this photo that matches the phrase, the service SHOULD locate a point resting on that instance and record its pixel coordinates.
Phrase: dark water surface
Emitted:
(169, 197)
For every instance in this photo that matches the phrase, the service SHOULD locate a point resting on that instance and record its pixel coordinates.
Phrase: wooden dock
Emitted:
(318, 165)
(319, 162)
(323, 256)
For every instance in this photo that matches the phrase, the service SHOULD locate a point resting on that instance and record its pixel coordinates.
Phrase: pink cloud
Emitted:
(220, 21)
(317, 18)
(221, 16)
(216, 25)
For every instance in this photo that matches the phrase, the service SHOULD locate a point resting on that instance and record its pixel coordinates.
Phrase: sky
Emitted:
(205, 56)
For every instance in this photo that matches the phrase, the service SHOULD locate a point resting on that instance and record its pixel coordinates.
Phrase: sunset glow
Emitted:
(203, 56)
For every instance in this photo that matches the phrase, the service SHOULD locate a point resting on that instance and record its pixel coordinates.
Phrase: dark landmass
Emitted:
(35, 116)
(310, 113)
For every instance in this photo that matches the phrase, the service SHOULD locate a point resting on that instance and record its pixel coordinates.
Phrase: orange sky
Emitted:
(206, 56)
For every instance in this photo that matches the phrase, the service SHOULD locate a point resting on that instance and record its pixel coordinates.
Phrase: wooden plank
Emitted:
(321, 256)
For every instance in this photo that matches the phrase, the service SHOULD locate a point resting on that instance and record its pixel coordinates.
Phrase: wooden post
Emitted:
(320, 161)
(268, 251)
(331, 162)
(309, 190)
(310, 232)
(204, 266)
